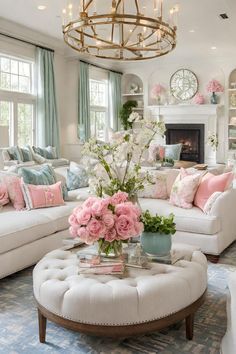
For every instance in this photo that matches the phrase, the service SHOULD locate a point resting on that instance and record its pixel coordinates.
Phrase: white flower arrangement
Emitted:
(119, 163)
(213, 141)
(134, 117)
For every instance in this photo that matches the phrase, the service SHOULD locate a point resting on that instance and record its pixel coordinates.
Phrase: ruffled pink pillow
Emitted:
(184, 189)
(42, 196)
(14, 191)
(4, 199)
(211, 184)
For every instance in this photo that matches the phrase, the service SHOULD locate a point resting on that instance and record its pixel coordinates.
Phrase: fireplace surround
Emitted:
(191, 136)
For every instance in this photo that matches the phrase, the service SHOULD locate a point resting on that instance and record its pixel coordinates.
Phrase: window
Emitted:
(99, 108)
(17, 100)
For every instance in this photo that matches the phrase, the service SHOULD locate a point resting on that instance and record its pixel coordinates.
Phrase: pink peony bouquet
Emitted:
(108, 219)
(214, 86)
(157, 90)
(199, 99)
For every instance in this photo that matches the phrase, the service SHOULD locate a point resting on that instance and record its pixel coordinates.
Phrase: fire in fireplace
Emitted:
(191, 136)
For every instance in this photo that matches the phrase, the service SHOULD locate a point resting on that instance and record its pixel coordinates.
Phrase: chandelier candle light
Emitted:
(120, 29)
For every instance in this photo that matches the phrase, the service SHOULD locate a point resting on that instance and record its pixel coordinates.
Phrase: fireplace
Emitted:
(191, 136)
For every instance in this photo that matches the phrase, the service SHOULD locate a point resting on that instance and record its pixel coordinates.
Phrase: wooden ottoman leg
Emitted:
(42, 326)
(189, 322)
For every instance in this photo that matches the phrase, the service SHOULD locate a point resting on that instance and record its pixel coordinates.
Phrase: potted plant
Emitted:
(125, 113)
(158, 230)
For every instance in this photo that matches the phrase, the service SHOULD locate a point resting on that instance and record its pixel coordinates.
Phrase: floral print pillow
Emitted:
(184, 189)
(157, 189)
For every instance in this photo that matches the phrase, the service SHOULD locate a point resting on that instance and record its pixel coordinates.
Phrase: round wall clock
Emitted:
(183, 84)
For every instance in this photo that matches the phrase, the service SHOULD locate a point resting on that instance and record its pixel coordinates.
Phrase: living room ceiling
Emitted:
(201, 32)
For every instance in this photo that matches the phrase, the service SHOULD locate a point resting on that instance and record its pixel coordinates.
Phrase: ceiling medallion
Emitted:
(120, 29)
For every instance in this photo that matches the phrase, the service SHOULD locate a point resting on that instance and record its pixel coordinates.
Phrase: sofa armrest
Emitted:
(224, 208)
(225, 204)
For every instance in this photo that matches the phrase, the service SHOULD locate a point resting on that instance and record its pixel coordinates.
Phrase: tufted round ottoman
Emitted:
(144, 301)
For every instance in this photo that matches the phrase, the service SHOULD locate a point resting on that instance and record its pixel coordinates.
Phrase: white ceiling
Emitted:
(202, 16)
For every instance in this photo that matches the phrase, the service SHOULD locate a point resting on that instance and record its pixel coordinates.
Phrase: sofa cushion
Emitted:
(187, 220)
(20, 228)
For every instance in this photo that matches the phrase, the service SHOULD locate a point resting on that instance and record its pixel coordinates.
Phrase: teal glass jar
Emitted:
(156, 244)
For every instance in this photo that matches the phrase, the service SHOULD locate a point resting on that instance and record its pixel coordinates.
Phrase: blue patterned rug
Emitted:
(19, 327)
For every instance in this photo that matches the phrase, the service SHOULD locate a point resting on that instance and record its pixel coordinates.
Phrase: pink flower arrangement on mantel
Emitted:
(199, 99)
(214, 86)
(108, 220)
(157, 90)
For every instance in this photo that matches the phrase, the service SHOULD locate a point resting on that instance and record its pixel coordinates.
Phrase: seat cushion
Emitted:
(20, 228)
(187, 220)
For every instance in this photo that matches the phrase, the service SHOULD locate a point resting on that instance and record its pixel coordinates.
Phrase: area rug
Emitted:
(19, 327)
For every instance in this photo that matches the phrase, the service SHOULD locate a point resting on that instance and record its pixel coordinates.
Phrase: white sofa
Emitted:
(27, 235)
(229, 340)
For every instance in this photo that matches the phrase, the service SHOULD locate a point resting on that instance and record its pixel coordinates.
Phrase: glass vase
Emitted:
(110, 249)
(214, 98)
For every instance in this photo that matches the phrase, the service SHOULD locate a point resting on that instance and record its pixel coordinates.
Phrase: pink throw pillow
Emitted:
(184, 189)
(211, 184)
(3, 195)
(42, 196)
(155, 152)
(15, 194)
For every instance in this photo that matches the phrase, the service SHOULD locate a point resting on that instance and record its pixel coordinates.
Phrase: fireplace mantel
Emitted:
(186, 109)
(212, 116)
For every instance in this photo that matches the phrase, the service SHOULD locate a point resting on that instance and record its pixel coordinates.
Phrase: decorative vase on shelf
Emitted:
(156, 244)
(214, 98)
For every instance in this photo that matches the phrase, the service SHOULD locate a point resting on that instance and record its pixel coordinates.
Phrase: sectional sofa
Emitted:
(26, 236)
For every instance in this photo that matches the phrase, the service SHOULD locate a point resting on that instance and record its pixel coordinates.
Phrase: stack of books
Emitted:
(93, 264)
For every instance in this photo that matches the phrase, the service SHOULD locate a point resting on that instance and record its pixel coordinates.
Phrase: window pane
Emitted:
(5, 65)
(5, 119)
(24, 69)
(25, 124)
(24, 84)
(97, 124)
(14, 67)
(15, 75)
(14, 83)
(5, 81)
(97, 93)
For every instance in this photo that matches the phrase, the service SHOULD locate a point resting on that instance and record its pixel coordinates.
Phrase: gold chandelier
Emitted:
(119, 29)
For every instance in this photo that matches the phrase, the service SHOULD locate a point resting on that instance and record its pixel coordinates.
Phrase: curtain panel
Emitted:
(84, 102)
(47, 114)
(115, 101)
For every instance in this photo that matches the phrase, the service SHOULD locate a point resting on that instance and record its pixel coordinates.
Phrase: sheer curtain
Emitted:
(115, 101)
(47, 116)
(84, 102)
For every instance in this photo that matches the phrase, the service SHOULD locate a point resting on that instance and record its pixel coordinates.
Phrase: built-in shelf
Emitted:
(232, 90)
(232, 138)
(132, 94)
(232, 108)
(138, 108)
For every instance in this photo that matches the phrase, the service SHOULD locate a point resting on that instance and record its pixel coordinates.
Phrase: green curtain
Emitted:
(84, 102)
(47, 115)
(115, 101)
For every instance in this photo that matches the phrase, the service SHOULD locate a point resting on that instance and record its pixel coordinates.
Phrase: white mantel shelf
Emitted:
(189, 109)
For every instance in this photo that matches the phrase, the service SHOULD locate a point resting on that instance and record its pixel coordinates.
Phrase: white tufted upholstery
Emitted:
(145, 295)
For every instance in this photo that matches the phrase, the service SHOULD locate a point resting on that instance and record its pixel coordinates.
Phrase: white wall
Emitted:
(206, 68)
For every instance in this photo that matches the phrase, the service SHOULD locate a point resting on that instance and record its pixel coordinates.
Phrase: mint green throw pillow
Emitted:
(43, 176)
(173, 151)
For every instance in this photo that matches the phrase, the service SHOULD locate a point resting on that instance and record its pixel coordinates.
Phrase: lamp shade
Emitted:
(4, 136)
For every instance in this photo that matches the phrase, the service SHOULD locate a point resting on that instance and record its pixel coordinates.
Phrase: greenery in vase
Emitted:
(125, 113)
(158, 224)
(168, 161)
(114, 247)
(118, 165)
